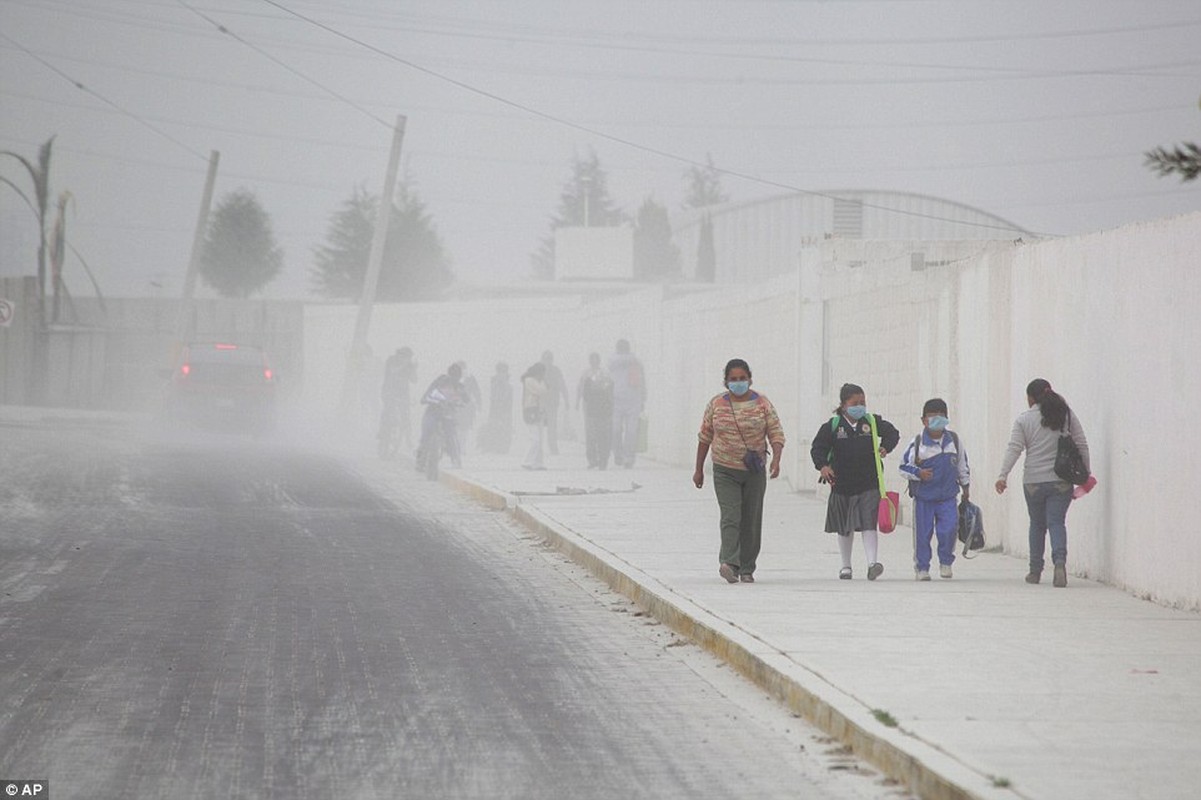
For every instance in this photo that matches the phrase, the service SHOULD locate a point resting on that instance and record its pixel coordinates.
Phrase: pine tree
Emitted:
(655, 255)
(1184, 159)
(704, 186)
(584, 201)
(239, 255)
(341, 263)
(415, 264)
(706, 253)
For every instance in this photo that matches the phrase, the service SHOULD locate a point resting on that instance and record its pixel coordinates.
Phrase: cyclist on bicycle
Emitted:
(441, 400)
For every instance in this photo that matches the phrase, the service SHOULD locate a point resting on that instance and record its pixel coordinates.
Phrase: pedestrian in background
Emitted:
(595, 394)
(400, 373)
(629, 402)
(533, 412)
(737, 427)
(496, 435)
(843, 453)
(1037, 431)
(556, 396)
(935, 464)
(472, 400)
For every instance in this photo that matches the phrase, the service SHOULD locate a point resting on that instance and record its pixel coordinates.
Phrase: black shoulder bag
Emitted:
(1069, 464)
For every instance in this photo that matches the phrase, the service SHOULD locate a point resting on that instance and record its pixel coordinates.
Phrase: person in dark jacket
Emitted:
(842, 452)
(595, 394)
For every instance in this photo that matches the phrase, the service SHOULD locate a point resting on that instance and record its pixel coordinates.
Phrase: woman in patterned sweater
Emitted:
(737, 427)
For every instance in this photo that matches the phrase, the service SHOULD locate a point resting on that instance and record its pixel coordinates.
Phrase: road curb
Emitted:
(885, 750)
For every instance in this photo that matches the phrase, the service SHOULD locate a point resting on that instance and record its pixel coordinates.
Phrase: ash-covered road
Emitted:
(226, 618)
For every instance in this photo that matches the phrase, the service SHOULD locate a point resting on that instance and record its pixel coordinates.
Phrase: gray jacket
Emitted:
(1041, 444)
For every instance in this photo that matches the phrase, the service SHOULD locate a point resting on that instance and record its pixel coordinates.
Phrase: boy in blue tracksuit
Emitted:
(935, 464)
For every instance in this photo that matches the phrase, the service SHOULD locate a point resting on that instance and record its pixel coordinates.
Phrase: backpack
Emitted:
(971, 527)
(917, 442)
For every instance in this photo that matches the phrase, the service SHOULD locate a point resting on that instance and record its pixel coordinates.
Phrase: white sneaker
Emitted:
(944, 570)
(922, 575)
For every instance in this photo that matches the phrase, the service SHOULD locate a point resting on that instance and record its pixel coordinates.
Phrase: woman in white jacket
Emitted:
(1037, 431)
(533, 412)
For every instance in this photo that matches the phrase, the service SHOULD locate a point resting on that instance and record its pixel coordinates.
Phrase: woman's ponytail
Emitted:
(1052, 405)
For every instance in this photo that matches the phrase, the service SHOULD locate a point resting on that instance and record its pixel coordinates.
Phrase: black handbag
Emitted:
(753, 461)
(1069, 464)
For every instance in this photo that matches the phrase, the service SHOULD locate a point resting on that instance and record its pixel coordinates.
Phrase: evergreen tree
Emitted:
(239, 255)
(1184, 158)
(655, 255)
(704, 186)
(415, 264)
(341, 262)
(706, 253)
(584, 201)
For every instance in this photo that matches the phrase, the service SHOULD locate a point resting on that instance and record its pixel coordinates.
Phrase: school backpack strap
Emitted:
(917, 444)
(833, 430)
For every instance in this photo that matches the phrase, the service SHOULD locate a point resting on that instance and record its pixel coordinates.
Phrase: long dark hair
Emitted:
(1052, 405)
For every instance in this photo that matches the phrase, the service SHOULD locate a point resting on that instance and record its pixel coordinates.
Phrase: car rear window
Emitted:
(211, 354)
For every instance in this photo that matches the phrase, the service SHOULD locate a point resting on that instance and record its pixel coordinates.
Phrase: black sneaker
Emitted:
(1034, 577)
(728, 572)
(1061, 576)
(875, 570)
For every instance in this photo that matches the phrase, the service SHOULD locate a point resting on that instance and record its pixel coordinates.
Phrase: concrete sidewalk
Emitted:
(979, 686)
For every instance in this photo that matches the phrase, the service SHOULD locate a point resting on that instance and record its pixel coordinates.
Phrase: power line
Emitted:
(610, 137)
(187, 78)
(994, 73)
(1142, 71)
(582, 37)
(1006, 73)
(101, 97)
(288, 137)
(336, 95)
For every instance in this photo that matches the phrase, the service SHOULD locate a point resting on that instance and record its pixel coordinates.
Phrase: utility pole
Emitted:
(356, 359)
(184, 330)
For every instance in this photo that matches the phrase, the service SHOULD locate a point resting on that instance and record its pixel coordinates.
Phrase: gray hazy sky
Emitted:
(1036, 111)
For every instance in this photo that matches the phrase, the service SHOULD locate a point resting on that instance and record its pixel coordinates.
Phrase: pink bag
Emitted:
(889, 509)
(886, 516)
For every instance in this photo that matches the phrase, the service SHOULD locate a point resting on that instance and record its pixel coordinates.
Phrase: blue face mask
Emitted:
(856, 412)
(739, 388)
(937, 423)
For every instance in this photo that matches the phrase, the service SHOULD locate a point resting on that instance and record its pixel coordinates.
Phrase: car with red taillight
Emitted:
(223, 384)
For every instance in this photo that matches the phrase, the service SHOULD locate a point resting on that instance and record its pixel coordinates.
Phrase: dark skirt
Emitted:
(852, 512)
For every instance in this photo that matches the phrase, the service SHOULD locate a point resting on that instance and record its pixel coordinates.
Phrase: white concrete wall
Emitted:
(1110, 319)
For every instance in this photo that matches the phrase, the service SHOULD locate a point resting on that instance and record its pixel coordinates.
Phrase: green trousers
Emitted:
(740, 498)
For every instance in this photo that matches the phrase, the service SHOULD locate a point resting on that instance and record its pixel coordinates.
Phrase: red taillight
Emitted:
(267, 374)
(227, 347)
(185, 370)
